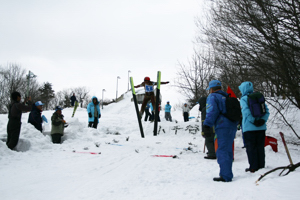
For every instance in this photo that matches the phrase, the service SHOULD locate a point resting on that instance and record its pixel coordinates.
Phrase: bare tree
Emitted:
(81, 94)
(258, 41)
(12, 78)
(192, 79)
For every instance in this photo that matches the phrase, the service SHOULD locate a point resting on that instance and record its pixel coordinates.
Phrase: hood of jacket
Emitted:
(34, 108)
(94, 97)
(246, 88)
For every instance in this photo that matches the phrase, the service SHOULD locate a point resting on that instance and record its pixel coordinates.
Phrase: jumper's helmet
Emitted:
(146, 78)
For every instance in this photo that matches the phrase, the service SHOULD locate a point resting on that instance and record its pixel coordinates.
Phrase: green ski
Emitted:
(75, 107)
(157, 102)
(136, 107)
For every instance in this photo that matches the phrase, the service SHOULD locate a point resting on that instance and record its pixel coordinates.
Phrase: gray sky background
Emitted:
(72, 43)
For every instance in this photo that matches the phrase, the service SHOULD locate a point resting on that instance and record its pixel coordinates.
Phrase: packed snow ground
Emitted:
(127, 169)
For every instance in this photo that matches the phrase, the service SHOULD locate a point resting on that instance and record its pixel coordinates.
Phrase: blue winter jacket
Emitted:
(151, 107)
(168, 108)
(215, 109)
(91, 109)
(246, 88)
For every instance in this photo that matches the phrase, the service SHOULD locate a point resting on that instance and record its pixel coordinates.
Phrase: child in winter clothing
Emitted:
(94, 113)
(185, 112)
(254, 131)
(35, 117)
(58, 125)
(14, 118)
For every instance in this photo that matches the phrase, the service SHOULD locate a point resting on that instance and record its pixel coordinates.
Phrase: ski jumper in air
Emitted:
(149, 93)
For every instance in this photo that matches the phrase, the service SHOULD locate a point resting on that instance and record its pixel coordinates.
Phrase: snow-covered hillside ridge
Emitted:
(124, 166)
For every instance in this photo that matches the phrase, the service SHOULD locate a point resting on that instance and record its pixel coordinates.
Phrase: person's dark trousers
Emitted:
(168, 116)
(13, 133)
(56, 138)
(210, 144)
(72, 103)
(148, 115)
(94, 124)
(254, 143)
(186, 116)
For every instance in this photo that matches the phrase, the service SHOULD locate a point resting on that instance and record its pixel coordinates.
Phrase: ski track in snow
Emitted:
(126, 169)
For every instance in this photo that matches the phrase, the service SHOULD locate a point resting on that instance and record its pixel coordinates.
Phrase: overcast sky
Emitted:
(72, 43)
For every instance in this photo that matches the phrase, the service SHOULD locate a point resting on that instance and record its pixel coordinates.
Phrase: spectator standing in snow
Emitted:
(94, 113)
(209, 139)
(58, 125)
(73, 99)
(148, 114)
(14, 118)
(185, 112)
(149, 93)
(254, 131)
(168, 111)
(225, 129)
(35, 116)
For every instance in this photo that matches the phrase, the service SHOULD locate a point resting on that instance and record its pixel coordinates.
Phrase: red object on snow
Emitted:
(163, 155)
(272, 142)
(87, 152)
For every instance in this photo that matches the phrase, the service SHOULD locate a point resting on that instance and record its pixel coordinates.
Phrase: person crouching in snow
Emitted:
(149, 93)
(35, 116)
(58, 125)
(186, 112)
(93, 110)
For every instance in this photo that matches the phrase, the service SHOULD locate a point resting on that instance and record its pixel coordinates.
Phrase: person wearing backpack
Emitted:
(253, 126)
(225, 129)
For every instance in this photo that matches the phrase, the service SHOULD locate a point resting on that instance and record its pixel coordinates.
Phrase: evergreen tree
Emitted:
(47, 93)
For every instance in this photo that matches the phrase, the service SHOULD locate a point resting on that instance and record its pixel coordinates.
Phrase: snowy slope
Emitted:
(126, 169)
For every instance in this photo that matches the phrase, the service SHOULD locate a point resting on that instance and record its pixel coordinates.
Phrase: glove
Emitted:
(259, 122)
(207, 131)
(90, 115)
(66, 125)
(44, 118)
(99, 116)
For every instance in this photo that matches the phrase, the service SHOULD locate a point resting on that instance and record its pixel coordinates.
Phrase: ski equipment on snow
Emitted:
(157, 102)
(256, 103)
(136, 107)
(75, 107)
(86, 152)
(164, 156)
